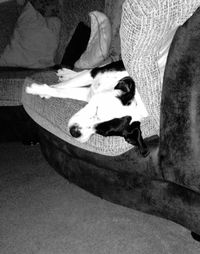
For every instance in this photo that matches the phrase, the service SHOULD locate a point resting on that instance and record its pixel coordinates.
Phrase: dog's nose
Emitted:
(75, 131)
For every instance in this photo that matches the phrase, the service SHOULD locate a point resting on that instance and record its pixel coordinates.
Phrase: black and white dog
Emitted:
(114, 105)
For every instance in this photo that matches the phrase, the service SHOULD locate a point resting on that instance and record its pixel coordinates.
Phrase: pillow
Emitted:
(34, 41)
(76, 47)
(99, 42)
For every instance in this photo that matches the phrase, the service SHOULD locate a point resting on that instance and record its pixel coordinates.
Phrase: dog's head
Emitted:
(104, 108)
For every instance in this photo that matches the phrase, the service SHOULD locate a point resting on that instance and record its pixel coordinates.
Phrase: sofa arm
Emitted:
(180, 108)
(145, 30)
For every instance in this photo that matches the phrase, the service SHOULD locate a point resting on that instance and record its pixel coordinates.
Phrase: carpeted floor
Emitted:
(41, 213)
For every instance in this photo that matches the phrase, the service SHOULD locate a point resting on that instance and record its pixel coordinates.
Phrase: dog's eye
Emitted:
(96, 110)
(95, 116)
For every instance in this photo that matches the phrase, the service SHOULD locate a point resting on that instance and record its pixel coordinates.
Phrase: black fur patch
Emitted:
(127, 85)
(122, 127)
(133, 135)
(114, 127)
(114, 66)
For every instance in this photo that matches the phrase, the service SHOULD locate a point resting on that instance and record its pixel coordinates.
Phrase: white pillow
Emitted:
(99, 42)
(34, 42)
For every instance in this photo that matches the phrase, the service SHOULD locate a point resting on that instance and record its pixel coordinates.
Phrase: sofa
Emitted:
(166, 183)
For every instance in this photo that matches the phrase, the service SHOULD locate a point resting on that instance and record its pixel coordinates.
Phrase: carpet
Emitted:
(42, 213)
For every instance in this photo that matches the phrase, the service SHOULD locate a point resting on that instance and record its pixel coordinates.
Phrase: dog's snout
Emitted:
(75, 131)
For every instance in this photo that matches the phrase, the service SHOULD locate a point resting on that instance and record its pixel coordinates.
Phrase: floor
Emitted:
(42, 213)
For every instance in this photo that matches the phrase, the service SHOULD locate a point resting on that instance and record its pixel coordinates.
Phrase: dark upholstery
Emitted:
(180, 119)
(167, 182)
(9, 13)
(128, 180)
(16, 125)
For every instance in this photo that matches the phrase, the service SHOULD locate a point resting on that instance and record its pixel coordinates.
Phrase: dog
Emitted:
(114, 106)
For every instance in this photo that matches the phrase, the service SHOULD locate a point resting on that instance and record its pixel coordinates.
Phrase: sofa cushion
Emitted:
(34, 42)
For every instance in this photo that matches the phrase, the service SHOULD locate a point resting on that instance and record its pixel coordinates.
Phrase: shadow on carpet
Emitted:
(42, 213)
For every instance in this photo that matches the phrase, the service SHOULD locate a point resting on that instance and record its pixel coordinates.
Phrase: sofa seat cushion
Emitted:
(54, 114)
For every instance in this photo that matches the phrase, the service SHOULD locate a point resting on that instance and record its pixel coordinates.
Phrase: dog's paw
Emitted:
(65, 74)
(44, 91)
(61, 72)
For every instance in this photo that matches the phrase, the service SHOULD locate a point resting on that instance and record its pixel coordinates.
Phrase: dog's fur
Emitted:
(114, 105)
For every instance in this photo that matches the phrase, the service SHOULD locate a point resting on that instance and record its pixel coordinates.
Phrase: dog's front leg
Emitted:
(45, 91)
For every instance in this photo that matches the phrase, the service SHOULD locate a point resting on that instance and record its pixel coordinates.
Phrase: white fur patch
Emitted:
(106, 81)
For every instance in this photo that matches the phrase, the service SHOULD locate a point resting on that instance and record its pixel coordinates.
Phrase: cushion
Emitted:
(34, 41)
(144, 28)
(9, 13)
(99, 42)
(75, 48)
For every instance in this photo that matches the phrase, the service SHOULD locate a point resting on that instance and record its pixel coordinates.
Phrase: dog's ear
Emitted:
(122, 127)
(114, 127)
(127, 86)
(133, 135)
